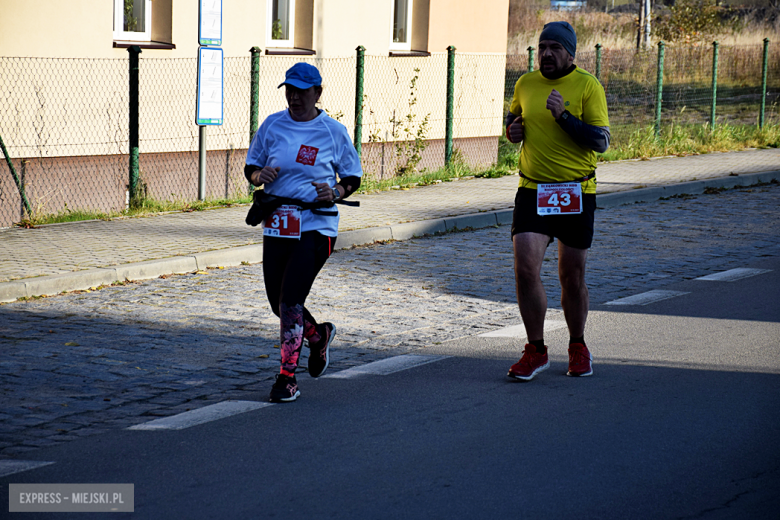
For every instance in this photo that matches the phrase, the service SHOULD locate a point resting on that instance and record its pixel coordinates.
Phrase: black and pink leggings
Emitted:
(289, 269)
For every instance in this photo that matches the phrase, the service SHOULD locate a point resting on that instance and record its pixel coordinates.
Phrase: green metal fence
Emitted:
(68, 137)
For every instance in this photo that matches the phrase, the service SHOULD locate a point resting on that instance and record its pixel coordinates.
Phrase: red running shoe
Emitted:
(579, 361)
(530, 364)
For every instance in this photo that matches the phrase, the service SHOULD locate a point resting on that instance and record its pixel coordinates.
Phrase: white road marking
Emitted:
(9, 467)
(518, 331)
(646, 298)
(732, 275)
(200, 416)
(387, 366)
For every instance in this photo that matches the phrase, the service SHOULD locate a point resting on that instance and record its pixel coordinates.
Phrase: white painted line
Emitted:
(201, 415)
(732, 275)
(387, 366)
(646, 298)
(518, 331)
(9, 467)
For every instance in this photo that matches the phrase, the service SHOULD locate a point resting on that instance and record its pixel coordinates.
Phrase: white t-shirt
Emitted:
(305, 152)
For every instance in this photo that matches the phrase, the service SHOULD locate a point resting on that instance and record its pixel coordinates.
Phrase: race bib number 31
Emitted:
(285, 222)
(559, 199)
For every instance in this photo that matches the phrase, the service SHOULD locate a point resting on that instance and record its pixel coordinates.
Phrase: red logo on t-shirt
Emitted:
(307, 155)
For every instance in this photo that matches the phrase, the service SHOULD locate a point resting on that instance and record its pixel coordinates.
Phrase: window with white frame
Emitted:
(281, 23)
(402, 25)
(133, 20)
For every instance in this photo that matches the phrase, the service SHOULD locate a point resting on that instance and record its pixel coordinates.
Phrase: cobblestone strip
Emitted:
(83, 363)
(65, 248)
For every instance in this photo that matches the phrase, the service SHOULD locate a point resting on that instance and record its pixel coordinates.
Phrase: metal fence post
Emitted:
(134, 52)
(18, 181)
(598, 61)
(450, 104)
(714, 82)
(659, 88)
(360, 66)
(254, 91)
(763, 83)
(530, 59)
(254, 97)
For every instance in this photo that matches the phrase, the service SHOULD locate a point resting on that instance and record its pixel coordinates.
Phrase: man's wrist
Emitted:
(564, 116)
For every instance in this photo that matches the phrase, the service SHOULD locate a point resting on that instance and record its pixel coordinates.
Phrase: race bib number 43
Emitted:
(559, 199)
(285, 222)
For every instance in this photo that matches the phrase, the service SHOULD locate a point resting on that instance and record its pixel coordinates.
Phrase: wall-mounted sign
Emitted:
(211, 65)
(210, 23)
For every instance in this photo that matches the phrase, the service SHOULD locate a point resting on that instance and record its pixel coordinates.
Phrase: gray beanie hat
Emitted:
(562, 33)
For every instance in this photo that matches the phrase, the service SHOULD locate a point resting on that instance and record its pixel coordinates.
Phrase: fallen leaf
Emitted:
(71, 344)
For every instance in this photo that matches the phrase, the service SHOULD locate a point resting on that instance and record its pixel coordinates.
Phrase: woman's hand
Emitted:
(325, 193)
(265, 176)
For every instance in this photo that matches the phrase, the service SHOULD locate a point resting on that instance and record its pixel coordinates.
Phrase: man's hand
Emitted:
(265, 176)
(555, 104)
(514, 132)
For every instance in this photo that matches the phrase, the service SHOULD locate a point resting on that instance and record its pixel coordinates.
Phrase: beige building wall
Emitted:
(468, 25)
(341, 25)
(84, 28)
(64, 118)
(52, 28)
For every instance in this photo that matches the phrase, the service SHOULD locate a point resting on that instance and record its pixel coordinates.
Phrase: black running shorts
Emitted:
(573, 230)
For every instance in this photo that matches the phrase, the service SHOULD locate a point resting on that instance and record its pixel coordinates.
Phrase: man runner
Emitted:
(559, 113)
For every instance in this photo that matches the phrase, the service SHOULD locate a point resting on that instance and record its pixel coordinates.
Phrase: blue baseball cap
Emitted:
(302, 76)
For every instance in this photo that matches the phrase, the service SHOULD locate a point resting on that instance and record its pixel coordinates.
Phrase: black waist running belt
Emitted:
(581, 179)
(263, 205)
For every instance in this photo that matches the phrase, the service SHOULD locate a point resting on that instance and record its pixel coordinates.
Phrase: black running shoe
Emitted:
(285, 389)
(319, 356)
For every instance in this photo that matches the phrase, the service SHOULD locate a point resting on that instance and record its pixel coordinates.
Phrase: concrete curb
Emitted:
(87, 279)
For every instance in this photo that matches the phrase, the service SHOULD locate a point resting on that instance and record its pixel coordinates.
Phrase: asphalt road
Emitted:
(678, 421)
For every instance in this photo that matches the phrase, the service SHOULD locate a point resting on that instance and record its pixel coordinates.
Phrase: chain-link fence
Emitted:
(169, 137)
(65, 122)
(631, 84)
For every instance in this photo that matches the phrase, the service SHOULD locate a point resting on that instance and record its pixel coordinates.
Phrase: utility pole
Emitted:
(640, 25)
(643, 27)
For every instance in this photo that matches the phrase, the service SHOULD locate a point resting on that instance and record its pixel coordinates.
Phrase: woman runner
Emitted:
(297, 154)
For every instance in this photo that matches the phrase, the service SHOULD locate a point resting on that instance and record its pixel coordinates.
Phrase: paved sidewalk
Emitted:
(76, 256)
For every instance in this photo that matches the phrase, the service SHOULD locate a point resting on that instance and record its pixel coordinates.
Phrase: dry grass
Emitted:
(618, 30)
(611, 31)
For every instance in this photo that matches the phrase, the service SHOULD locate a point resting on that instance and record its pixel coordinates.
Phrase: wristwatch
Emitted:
(336, 194)
(565, 115)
